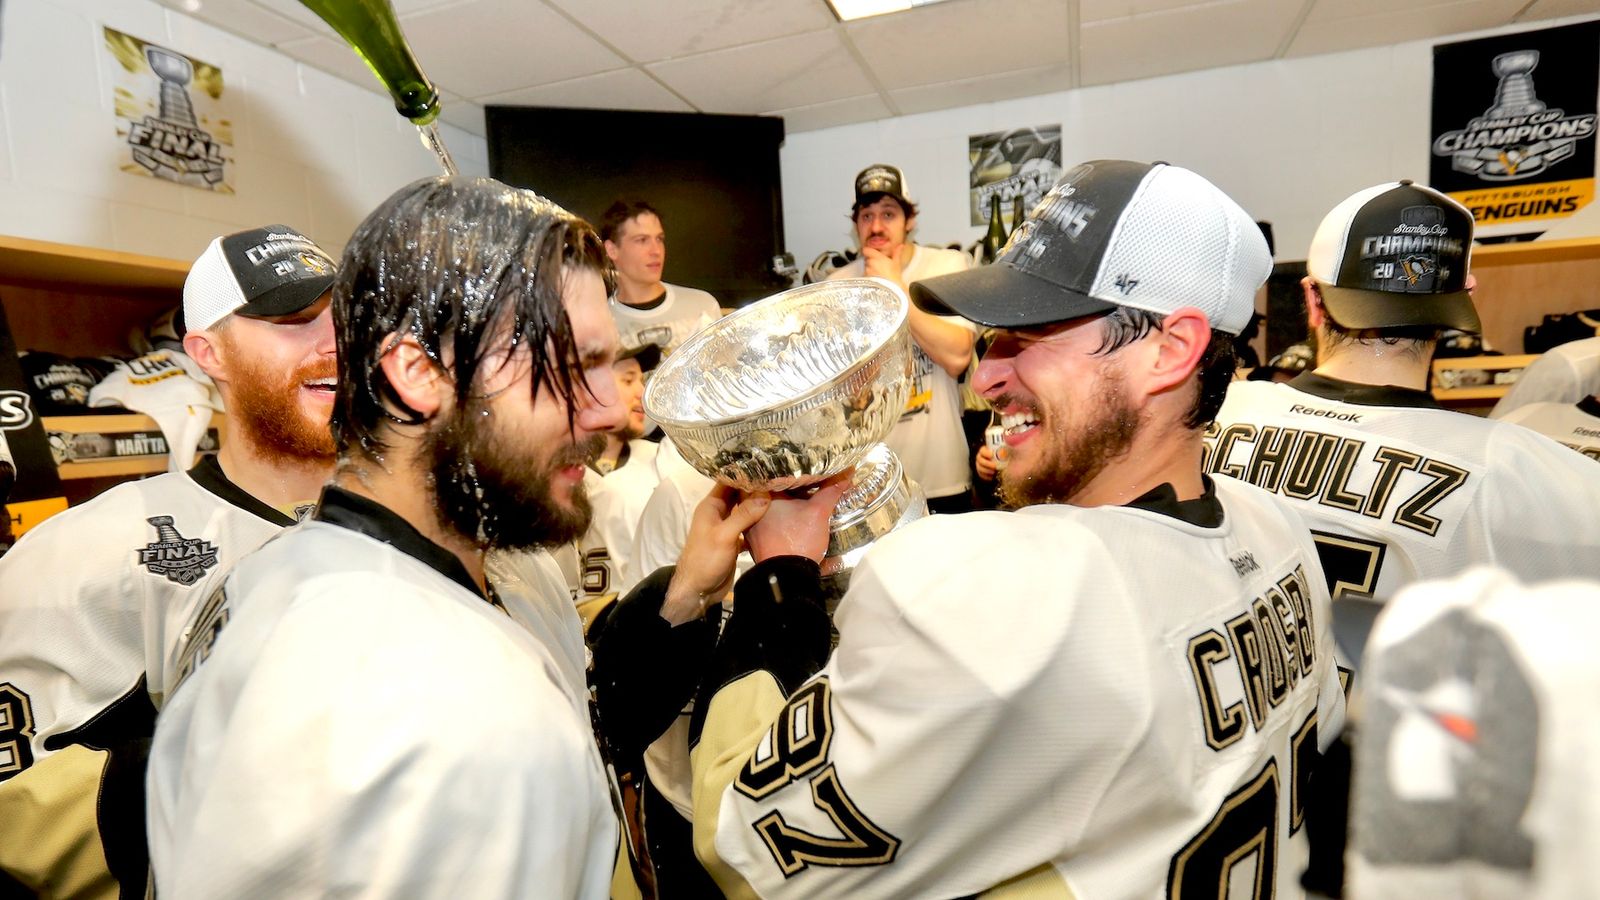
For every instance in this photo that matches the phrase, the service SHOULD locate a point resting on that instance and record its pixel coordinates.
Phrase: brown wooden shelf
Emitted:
(1531, 253)
(111, 425)
(1478, 392)
(69, 268)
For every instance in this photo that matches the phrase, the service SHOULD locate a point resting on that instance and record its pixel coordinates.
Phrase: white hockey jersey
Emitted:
(1398, 490)
(618, 499)
(1564, 374)
(1107, 702)
(352, 716)
(1575, 425)
(93, 603)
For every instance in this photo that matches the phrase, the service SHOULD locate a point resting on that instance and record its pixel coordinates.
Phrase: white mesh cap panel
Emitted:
(1182, 242)
(211, 291)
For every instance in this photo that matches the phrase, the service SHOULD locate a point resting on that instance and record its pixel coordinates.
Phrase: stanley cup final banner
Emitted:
(1005, 164)
(170, 117)
(1514, 127)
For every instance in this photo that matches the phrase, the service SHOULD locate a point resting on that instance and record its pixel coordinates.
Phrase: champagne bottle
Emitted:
(1018, 213)
(996, 238)
(370, 27)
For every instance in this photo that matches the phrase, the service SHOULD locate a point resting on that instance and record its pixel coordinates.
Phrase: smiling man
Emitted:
(928, 438)
(94, 600)
(647, 310)
(358, 711)
(1122, 700)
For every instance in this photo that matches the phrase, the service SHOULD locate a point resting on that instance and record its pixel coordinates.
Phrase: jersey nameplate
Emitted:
(181, 560)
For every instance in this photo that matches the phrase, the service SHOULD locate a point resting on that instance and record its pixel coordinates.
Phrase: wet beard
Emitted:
(1075, 460)
(500, 498)
(266, 407)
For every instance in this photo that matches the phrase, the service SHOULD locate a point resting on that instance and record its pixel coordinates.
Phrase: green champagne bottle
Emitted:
(371, 28)
(996, 238)
(1018, 213)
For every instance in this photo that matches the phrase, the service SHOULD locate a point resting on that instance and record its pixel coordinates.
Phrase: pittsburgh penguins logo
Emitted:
(1416, 268)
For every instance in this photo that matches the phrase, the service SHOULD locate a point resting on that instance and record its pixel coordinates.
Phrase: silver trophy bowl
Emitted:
(789, 390)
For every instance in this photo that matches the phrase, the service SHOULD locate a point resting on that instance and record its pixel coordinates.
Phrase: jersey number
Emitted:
(794, 748)
(1246, 825)
(1350, 564)
(596, 572)
(16, 731)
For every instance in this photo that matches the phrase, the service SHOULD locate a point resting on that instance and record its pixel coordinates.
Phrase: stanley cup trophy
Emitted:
(371, 29)
(1514, 95)
(174, 72)
(793, 390)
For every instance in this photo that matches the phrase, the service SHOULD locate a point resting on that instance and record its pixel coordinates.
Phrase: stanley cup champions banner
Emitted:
(1022, 162)
(1514, 127)
(169, 115)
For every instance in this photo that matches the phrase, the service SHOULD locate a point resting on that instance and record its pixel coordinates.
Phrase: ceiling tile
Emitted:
(487, 46)
(786, 73)
(462, 113)
(335, 57)
(1555, 9)
(962, 39)
(297, 11)
(621, 89)
(649, 32)
(243, 18)
(1412, 22)
(987, 89)
(1101, 10)
(835, 112)
(1183, 40)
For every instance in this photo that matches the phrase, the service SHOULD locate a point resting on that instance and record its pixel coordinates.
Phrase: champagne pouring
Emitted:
(371, 29)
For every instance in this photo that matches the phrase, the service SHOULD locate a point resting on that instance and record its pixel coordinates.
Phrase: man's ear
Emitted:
(206, 349)
(1180, 347)
(1315, 314)
(612, 250)
(417, 380)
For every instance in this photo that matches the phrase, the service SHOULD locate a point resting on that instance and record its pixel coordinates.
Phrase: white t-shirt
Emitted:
(353, 719)
(1476, 758)
(1576, 425)
(1399, 490)
(680, 314)
(929, 439)
(1115, 700)
(1564, 374)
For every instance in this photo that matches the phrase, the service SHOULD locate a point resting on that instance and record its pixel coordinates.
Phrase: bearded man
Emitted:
(93, 600)
(358, 710)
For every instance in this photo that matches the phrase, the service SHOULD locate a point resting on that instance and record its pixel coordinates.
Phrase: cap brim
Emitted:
(1000, 296)
(1353, 309)
(648, 355)
(287, 299)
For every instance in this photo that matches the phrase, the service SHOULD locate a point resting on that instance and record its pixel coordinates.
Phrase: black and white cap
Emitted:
(263, 272)
(1116, 233)
(881, 179)
(1395, 255)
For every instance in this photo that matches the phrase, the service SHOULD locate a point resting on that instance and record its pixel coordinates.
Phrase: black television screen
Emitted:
(714, 179)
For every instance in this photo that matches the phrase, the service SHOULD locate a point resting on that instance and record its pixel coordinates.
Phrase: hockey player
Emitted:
(357, 711)
(93, 600)
(1113, 690)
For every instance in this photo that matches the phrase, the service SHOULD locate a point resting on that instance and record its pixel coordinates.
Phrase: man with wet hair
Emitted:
(93, 601)
(358, 711)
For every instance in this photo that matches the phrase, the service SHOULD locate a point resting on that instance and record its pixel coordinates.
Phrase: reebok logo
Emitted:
(1586, 432)
(1325, 413)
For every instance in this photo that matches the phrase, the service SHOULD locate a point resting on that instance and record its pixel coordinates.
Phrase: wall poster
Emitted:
(170, 115)
(1025, 161)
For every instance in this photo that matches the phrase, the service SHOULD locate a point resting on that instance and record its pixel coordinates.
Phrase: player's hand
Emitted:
(705, 567)
(798, 525)
(984, 463)
(877, 264)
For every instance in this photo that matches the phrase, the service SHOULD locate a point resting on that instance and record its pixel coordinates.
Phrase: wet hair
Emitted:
(1420, 337)
(619, 214)
(463, 265)
(906, 206)
(1124, 325)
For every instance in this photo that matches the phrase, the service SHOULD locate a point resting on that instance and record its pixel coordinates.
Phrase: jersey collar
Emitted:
(1590, 405)
(1204, 510)
(346, 510)
(208, 474)
(1362, 394)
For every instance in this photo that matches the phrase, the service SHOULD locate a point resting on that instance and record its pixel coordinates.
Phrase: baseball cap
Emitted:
(1112, 233)
(881, 179)
(271, 271)
(1395, 254)
(649, 356)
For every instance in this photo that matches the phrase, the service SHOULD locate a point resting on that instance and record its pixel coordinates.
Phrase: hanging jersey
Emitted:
(1563, 374)
(929, 439)
(1398, 490)
(1478, 743)
(1118, 702)
(352, 712)
(618, 499)
(93, 603)
(682, 312)
(1575, 425)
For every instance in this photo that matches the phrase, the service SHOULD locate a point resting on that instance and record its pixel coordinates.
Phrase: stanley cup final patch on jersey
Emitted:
(181, 560)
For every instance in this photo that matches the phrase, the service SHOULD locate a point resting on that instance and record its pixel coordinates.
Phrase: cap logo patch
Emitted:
(181, 560)
(1126, 284)
(1418, 267)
